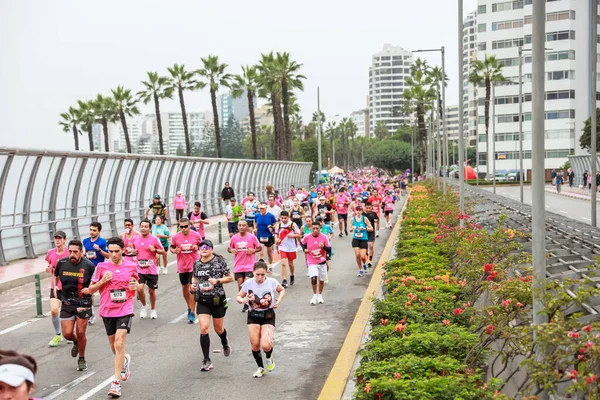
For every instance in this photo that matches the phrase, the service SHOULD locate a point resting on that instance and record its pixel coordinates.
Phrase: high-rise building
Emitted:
(469, 97)
(452, 122)
(117, 134)
(262, 116)
(389, 69)
(502, 28)
(236, 107)
(360, 120)
(98, 138)
(174, 134)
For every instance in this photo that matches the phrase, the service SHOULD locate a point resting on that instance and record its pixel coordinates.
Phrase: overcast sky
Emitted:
(54, 52)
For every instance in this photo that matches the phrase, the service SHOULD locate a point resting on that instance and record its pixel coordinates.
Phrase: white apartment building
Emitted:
(503, 26)
(469, 98)
(452, 122)
(387, 75)
(360, 120)
(174, 134)
(117, 134)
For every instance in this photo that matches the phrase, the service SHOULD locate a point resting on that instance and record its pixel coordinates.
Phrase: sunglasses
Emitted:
(205, 247)
(184, 226)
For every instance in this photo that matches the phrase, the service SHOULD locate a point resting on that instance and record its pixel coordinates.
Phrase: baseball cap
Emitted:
(232, 199)
(179, 192)
(157, 196)
(322, 198)
(208, 243)
(60, 234)
(16, 368)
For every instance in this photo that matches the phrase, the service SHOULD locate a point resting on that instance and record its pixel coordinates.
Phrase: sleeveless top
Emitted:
(360, 228)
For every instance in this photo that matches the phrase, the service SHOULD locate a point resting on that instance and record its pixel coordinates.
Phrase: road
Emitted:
(569, 207)
(166, 354)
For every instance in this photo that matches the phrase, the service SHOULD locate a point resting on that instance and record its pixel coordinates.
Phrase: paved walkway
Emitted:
(573, 192)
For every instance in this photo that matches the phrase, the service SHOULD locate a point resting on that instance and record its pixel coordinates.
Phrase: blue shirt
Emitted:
(88, 246)
(312, 197)
(262, 223)
(326, 229)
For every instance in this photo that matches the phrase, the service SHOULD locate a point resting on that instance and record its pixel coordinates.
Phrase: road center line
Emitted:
(96, 389)
(177, 319)
(68, 386)
(564, 212)
(22, 324)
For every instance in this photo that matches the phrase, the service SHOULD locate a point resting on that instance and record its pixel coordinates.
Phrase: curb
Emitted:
(572, 196)
(4, 286)
(342, 368)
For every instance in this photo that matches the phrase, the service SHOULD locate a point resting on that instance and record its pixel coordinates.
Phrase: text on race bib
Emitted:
(118, 295)
(144, 263)
(91, 254)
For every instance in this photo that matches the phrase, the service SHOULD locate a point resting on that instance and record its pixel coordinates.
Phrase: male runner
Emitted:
(286, 235)
(127, 237)
(147, 247)
(316, 246)
(55, 254)
(250, 208)
(95, 251)
(375, 201)
(342, 200)
(324, 210)
(233, 212)
(265, 222)
(74, 274)
(374, 220)
(158, 208)
(198, 219)
(185, 244)
(117, 281)
(273, 208)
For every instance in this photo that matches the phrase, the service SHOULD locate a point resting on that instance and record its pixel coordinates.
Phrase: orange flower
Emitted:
(446, 322)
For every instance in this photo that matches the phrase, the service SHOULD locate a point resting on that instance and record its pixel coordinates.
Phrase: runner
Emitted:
(185, 245)
(243, 245)
(74, 273)
(375, 199)
(324, 210)
(265, 223)
(374, 220)
(259, 293)
(316, 247)
(117, 281)
(147, 247)
(361, 226)
(388, 209)
(95, 251)
(55, 254)
(127, 237)
(158, 208)
(287, 234)
(198, 219)
(250, 209)
(161, 231)
(273, 208)
(233, 212)
(210, 273)
(306, 229)
(179, 205)
(342, 200)
(297, 213)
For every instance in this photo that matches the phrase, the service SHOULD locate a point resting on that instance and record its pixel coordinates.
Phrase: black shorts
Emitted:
(217, 311)
(165, 246)
(388, 212)
(58, 294)
(268, 319)
(371, 237)
(342, 217)
(247, 274)
(232, 227)
(150, 280)
(185, 278)
(361, 244)
(298, 222)
(68, 312)
(250, 223)
(178, 214)
(270, 241)
(112, 324)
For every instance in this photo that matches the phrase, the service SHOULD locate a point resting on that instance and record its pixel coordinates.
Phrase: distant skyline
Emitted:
(57, 52)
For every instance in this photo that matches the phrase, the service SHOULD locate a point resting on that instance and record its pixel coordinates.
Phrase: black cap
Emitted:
(208, 243)
(60, 234)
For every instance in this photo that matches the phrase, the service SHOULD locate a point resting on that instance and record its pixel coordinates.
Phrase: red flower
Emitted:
(488, 267)
(505, 303)
(490, 329)
(583, 350)
(573, 374)
(573, 334)
(591, 379)
(379, 396)
(446, 322)
(396, 375)
(384, 321)
(368, 387)
(458, 311)
(587, 328)
(400, 327)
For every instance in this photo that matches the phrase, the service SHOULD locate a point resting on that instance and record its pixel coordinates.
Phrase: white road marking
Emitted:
(181, 317)
(96, 389)
(564, 212)
(587, 219)
(22, 324)
(68, 386)
(32, 299)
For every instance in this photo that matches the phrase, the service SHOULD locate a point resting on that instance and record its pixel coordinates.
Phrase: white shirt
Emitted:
(289, 245)
(275, 210)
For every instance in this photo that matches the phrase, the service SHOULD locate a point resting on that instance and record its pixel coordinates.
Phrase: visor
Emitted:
(15, 374)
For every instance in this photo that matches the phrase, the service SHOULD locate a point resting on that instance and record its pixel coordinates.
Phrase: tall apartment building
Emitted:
(236, 107)
(452, 122)
(389, 69)
(174, 134)
(502, 28)
(469, 98)
(262, 116)
(117, 134)
(360, 119)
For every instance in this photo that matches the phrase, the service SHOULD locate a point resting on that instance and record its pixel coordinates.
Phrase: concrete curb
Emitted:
(572, 196)
(4, 286)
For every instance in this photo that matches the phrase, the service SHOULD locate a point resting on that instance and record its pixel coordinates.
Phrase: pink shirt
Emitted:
(186, 256)
(316, 254)
(242, 261)
(340, 201)
(389, 203)
(52, 258)
(179, 203)
(116, 300)
(126, 242)
(195, 220)
(146, 259)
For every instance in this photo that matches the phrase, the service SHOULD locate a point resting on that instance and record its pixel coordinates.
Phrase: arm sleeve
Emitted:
(57, 270)
(203, 215)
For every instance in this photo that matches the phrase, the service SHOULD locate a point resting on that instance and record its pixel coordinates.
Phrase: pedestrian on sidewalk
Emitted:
(585, 179)
(179, 205)
(598, 181)
(558, 180)
(589, 182)
(571, 176)
(227, 193)
(553, 176)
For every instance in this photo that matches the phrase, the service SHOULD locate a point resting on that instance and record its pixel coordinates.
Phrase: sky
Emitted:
(55, 52)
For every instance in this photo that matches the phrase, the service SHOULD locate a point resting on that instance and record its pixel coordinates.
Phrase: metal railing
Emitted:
(580, 164)
(44, 191)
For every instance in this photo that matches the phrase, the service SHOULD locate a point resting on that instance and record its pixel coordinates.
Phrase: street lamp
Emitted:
(461, 156)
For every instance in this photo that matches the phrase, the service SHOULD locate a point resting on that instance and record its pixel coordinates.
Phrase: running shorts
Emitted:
(150, 280)
(361, 244)
(112, 324)
(261, 317)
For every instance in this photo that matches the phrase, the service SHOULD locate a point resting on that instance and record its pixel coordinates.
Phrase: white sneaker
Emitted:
(164, 270)
(376, 233)
(314, 299)
(153, 314)
(320, 299)
(160, 269)
(143, 312)
(259, 372)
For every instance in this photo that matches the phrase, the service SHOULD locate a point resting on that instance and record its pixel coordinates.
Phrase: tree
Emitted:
(585, 141)
(404, 133)
(331, 131)
(247, 83)
(106, 112)
(270, 88)
(125, 105)
(156, 88)
(181, 81)
(389, 154)
(213, 75)
(308, 151)
(233, 139)
(487, 71)
(381, 131)
(87, 118)
(69, 124)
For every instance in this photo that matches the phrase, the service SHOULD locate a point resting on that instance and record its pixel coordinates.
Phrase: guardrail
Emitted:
(45, 191)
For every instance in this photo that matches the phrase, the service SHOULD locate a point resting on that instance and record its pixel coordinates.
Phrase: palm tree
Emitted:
(332, 132)
(69, 123)
(214, 76)
(182, 80)
(487, 71)
(87, 119)
(381, 131)
(125, 104)
(270, 88)
(247, 83)
(105, 112)
(437, 79)
(420, 93)
(156, 88)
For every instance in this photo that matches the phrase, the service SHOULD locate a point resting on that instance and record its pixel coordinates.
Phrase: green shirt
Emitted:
(235, 212)
(161, 230)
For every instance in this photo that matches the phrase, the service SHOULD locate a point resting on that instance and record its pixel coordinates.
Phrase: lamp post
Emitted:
(461, 156)
(320, 161)
(521, 123)
(594, 42)
(494, 135)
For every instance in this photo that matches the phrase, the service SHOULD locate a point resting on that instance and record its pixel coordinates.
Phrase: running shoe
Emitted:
(369, 265)
(341, 234)
(115, 389)
(319, 300)
(92, 319)
(365, 268)
(206, 365)
(74, 349)
(326, 279)
(284, 283)
(191, 317)
(291, 280)
(259, 372)
(164, 270)
(226, 350)
(153, 314)
(126, 367)
(270, 364)
(143, 312)
(360, 273)
(55, 340)
(313, 301)
(376, 234)
(81, 364)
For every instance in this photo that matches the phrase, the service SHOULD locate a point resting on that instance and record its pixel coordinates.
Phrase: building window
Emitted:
(554, 16)
(481, 28)
(507, 5)
(482, 46)
(498, 26)
(554, 36)
(559, 75)
(506, 44)
(482, 9)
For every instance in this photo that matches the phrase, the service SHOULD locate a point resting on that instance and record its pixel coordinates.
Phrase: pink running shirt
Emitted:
(187, 256)
(242, 261)
(316, 254)
(146, 259)
(340, 201)
(52, 258)
(115, 299)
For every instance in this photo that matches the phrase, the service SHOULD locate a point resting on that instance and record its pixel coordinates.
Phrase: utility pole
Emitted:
(521, 122)
(594, 133)
(319, 136)
(461, 156)
(445, 126)
(494, 135)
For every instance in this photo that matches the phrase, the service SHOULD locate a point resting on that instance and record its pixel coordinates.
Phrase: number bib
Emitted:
(205, 286)
(359, 235)
(242, 247)
(264, 239)
(90, 254)
(143, 263)
(186, 248)
(316, 253)
(118, 295)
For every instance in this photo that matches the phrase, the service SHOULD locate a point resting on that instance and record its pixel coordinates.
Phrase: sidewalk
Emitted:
(573, 192)
(23, 271)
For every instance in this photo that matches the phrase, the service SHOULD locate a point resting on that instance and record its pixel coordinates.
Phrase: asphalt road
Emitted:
(567, 206)
(166, 354)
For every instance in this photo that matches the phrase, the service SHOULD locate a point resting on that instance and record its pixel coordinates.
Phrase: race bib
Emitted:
(205, 286)
(264, 239)
(242, 247)
(143, 263)
(316, 253)
(359, 235)
(118, 295)
(90, 254)
(186, 248)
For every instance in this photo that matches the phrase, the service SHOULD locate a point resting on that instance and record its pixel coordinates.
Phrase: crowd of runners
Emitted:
(299, 223)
